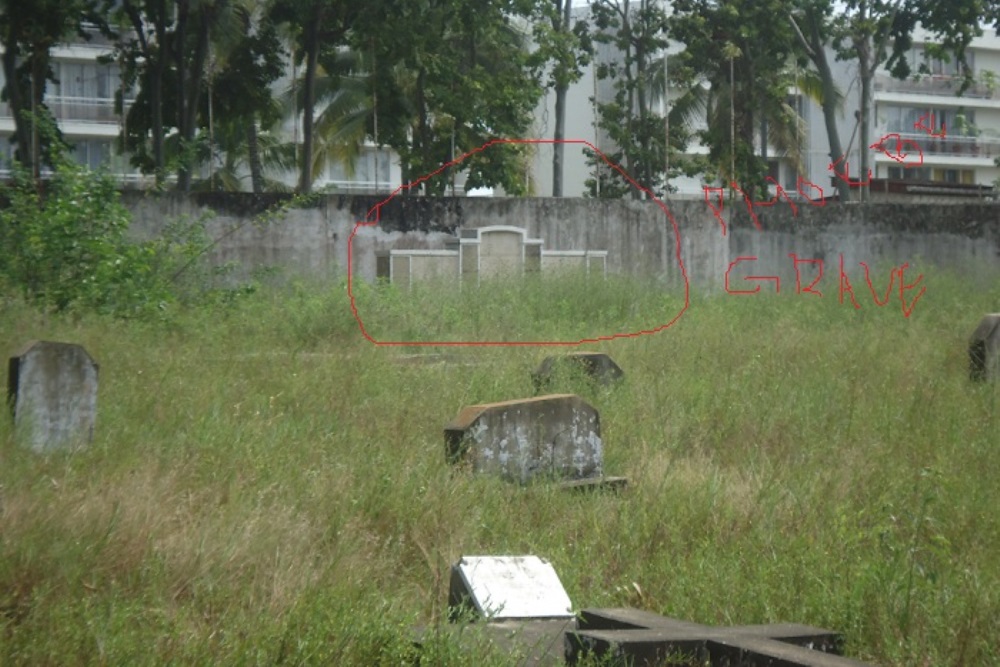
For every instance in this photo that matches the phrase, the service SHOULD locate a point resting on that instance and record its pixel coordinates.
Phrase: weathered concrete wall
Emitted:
(638, 235)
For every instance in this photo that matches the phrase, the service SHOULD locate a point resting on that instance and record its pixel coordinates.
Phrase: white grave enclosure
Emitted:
(484, 252)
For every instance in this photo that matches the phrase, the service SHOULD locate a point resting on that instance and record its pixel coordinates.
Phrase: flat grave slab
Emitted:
(509, 587)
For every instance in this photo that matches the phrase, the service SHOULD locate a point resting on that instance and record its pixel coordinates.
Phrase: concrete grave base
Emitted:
(529, 642)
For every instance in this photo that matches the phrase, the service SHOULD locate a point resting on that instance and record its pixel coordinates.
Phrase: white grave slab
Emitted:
(509, 587)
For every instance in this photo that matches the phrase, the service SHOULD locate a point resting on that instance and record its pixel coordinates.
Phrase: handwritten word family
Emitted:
(906, 152)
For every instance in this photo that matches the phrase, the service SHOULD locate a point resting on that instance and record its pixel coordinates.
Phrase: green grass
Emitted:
(265, 486)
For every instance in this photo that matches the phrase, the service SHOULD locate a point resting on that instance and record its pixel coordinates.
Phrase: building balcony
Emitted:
(78, 109)
(84, 109)
(960, 147)
(937, 85)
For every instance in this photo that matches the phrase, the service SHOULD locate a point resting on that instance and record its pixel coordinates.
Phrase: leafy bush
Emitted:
(67, 247)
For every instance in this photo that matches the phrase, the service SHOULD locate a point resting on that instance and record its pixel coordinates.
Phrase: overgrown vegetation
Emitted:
(67, 247)
(265, 486)
(555, 306)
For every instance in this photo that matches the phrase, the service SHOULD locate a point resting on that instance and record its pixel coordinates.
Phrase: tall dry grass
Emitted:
(265, 486)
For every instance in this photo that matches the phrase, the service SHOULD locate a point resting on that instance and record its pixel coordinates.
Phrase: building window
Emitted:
(939, 67)
(911, 174)
(92, 153)
(963, 176)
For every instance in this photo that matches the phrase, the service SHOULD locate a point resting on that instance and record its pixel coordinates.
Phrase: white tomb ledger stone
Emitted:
(509, 587)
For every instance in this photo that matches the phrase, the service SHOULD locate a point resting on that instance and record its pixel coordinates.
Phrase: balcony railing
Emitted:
(944, 86)
(980, 147)
(78, 109)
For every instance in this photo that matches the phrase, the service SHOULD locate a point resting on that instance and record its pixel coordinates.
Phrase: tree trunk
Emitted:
(561, 89)
(560, 135)
(866, 92)
(828, 103)
(865, 66)
(308, 102)
(253, 158)
(18, 104)
(155, 57)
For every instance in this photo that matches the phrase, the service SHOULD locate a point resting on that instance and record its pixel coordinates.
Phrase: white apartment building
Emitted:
(962, 153)
(82, 103)
(967, 127)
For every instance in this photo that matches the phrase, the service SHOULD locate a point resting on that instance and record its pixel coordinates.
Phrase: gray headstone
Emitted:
(984, 349)
(597, 366)
(554, 437)
(52, 391)
(508, 587)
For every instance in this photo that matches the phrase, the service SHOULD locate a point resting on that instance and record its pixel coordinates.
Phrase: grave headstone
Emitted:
(556, 437)
(984, 349)
(598, 366)
(52, 392)
(644, 639)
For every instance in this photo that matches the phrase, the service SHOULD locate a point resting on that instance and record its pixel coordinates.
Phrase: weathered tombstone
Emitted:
(556, 436)
(984, 349)
(598, 366)
(52, 391)
(633, 637)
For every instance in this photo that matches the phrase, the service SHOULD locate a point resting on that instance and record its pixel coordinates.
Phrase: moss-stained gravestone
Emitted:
(551, 437)
(984, 350)
(52, 391)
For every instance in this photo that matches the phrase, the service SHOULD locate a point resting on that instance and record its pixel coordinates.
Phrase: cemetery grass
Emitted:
(267, 487)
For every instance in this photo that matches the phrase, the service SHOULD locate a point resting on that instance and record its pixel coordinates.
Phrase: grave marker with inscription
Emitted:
(556, 436)
(52, 391)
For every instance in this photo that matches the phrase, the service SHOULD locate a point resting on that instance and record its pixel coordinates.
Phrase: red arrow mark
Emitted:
(920, 125)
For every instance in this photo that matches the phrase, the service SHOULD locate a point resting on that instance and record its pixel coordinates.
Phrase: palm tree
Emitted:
(712, 107)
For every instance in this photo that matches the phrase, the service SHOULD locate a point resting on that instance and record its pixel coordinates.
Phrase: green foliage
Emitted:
(636, 29)
(66, 244)
(67, 247)
(453, 73)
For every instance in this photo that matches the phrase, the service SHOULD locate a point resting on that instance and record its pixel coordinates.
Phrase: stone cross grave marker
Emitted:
(642, 638)
(598, 366)
(556, 436)
(52, 391)
(984, 349)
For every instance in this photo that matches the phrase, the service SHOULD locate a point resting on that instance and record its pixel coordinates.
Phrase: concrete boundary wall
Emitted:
(639, 238)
